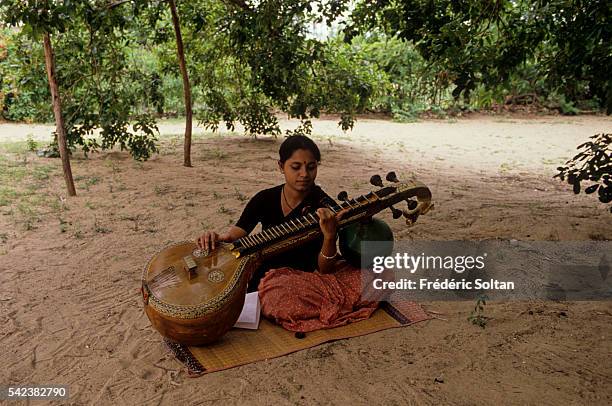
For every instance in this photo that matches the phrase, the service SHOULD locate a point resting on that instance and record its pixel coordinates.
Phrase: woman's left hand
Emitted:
(328, 221)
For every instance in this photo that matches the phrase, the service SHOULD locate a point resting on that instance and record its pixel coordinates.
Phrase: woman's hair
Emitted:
(295, 142)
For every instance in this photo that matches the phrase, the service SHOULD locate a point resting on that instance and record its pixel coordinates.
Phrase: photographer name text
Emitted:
(442, 284)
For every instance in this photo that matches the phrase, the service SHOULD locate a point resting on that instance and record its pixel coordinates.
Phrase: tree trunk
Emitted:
(57, 111)
(186, 87)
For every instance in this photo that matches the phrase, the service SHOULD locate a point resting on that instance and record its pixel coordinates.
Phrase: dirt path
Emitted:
(70, 308)
(479, 142)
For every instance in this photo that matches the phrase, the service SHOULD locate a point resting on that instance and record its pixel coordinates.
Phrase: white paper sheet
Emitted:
(249, 318)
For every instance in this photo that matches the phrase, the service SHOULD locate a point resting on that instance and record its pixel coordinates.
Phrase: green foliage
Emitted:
(100, 83)
(477, 316)
(116, 61)
(305, 128)
(39, 17)
(403, 77)
(469, 41)
(472, 43)
(580, 34)
(248, 62)
(591, 165)
(560, 102)
(402, 82)
(31, 144)
(24, 90)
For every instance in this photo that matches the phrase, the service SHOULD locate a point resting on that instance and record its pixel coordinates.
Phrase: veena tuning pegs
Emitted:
(396, 212)
(411, 218)
(412, 204)
(376, 180)
(343, 196)
(392, 177)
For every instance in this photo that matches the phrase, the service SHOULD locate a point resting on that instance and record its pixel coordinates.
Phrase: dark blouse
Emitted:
(265, 208)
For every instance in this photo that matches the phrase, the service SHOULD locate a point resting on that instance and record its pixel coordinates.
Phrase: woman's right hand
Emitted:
(208, 240)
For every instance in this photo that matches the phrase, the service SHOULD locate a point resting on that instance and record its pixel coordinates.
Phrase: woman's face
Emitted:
(300, 170)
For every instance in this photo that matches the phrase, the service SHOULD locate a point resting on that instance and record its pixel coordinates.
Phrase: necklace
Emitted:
(285, 199)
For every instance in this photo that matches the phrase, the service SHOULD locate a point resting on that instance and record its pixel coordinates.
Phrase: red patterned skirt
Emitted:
(308, 301)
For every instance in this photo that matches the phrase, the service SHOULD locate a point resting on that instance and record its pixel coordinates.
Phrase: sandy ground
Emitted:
(70, 268)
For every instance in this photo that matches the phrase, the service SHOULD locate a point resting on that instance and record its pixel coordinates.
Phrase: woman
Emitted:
(290, 292)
